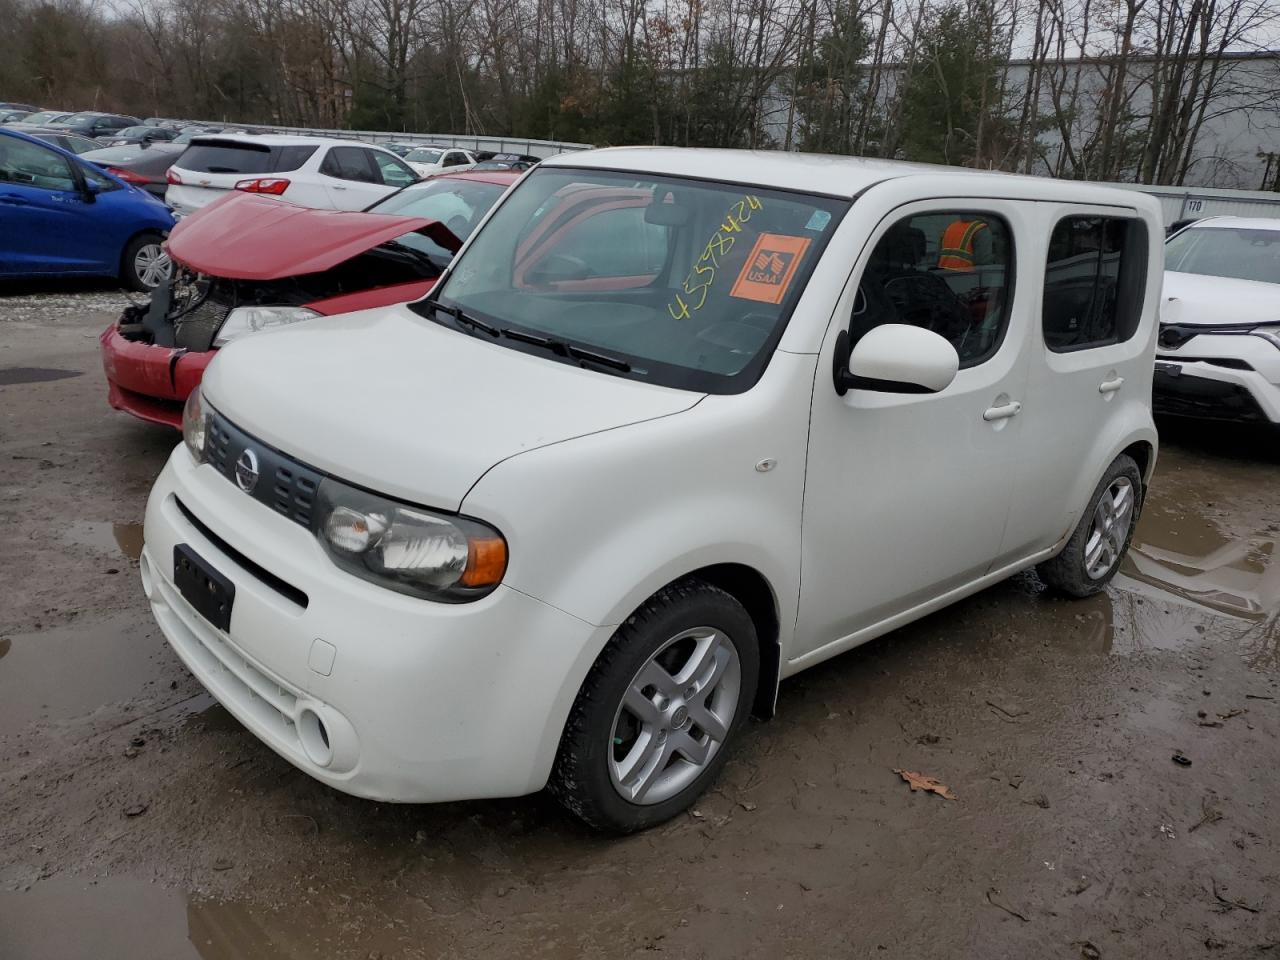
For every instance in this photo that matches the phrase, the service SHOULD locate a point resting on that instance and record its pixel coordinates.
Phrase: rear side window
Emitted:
(231, 157)
(1093, 283)
(349, 163)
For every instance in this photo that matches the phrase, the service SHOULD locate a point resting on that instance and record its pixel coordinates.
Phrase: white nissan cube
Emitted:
(673, 426)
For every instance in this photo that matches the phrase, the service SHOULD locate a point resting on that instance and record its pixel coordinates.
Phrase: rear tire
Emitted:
(144, 264)
(658, 713)
(1092, 556)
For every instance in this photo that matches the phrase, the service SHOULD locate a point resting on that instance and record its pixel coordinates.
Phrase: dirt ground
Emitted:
(138, 820)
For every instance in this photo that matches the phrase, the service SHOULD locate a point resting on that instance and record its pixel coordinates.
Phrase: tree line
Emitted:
(1090, 89)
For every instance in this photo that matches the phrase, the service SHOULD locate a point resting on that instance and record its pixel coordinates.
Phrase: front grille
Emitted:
(283, 484)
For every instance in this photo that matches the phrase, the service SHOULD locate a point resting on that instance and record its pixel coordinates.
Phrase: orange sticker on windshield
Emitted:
(769, 269)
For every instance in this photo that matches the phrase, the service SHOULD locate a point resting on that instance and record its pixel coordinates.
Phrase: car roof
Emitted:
(283, 140)
(814, 173)
(19, 135)
(1236, 223)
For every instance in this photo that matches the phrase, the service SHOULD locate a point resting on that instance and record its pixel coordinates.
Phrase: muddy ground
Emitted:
(138, 820)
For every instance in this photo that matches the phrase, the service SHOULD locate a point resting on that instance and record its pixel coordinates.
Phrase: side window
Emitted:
(614, 242)
(453, 159)
(394, 172)
(348, 163)
(950, 272)
(28, 165)
(291, 158)
(1093, 281)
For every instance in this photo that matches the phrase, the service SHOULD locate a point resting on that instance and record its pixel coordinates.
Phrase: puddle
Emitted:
(1185, 577)
(68, 672)
(12, 376)
(130, 917)
(117, 539)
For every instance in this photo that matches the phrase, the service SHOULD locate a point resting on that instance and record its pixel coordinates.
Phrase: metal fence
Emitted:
(1183, 203)
(535, 148)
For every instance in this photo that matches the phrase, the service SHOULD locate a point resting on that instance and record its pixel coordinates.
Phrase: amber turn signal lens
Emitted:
(486, 561)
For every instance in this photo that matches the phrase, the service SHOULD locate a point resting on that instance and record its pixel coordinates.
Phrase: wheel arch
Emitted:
(1143, 453)
(752, 589)
(128, 242)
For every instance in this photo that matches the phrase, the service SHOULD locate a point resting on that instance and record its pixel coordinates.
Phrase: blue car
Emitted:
(61, 216)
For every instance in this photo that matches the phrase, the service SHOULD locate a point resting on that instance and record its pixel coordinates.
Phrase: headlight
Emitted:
(1270, 333)
(245, 320)
(194, 425)
(408, 549)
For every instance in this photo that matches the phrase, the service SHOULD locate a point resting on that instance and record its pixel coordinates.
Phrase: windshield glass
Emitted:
(683, 283)
(423, 155)
(1239, 252)
(458, 204)
(44, 116)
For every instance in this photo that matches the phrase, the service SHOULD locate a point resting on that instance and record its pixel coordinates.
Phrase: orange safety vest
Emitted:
(957, 244)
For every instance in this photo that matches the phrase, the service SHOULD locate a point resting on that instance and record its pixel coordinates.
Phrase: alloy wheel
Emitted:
(1110, 528)
(675, 715)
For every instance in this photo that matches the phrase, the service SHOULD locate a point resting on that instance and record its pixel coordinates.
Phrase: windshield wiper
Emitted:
(565, 349)
(464, 319)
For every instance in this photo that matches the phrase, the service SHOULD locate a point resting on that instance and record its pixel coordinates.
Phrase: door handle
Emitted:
(13, 201)
(1111, 386)
(338, 186)
(1002, 412)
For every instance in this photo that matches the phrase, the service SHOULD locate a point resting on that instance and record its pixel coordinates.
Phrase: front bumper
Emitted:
(150, 382)
(1209, 392)
(419, 701)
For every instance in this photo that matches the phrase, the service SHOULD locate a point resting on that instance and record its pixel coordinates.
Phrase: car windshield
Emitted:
(81, 119)
(141, 132)
(683, 283)
(44, 116)
(458, 204)
(186, 135)
(423, 155)
(1243, 253)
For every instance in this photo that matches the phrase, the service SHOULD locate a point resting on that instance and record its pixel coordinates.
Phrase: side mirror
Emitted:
(895, 358)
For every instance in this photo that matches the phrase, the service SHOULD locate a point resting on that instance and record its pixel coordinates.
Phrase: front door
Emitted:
(906, 495)
(47, 222)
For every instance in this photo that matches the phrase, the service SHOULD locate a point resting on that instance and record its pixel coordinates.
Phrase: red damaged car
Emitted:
(248, 262)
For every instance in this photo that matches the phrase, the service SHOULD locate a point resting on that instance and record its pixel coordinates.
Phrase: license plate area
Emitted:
(203, 587)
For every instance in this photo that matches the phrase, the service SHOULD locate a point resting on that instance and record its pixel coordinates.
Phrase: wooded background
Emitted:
(1121, 90)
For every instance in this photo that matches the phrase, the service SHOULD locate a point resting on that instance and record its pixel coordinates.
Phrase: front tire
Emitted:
(1092, 556)
(144, 264)
(665, 700)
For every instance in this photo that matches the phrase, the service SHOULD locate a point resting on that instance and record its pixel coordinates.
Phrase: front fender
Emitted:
(597, 524)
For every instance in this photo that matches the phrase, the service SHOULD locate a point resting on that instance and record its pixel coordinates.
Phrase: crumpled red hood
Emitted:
(245, 236)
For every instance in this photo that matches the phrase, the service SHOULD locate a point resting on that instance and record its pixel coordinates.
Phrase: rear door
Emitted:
(1089, 363)
(352, 178)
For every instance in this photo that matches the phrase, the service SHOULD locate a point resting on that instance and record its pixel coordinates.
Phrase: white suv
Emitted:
(1219, 352)
(674, 425)
(427, 161)
(308, 171)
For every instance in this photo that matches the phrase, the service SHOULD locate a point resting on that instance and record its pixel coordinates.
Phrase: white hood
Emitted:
(1192, 298)
(401, 405)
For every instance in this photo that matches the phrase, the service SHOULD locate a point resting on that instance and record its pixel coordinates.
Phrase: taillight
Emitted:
(173, 177)
(128, 176)
(275, 186)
